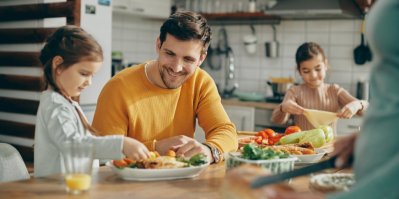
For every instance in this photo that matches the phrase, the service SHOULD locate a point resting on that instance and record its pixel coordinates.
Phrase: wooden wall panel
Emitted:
(15, 128)
(36, 11)
(26, 152)
(21, 106)
(26, 59)
(71, 11)
(19, 82)
(75, 18)
(25, 35)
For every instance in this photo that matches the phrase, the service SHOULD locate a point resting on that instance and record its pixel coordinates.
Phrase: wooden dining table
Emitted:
(107, 184)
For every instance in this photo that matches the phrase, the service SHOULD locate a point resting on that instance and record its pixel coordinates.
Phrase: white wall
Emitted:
(135, 37)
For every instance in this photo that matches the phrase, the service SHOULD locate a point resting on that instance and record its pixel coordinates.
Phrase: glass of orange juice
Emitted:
(77, 158)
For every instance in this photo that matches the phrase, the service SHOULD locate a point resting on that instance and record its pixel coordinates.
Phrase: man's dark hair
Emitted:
(187, 25)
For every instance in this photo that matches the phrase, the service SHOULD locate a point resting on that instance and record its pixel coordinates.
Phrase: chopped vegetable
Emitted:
(292, 129)
(198, 159)
(171, 153)
(253, 152)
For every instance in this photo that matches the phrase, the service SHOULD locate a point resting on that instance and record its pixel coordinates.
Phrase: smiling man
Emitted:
(157, 102)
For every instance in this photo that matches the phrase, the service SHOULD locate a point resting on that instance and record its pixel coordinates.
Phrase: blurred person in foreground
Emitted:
(157, 102)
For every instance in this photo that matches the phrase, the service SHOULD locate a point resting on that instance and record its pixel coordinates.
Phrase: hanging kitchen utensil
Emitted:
(272, 46)
(215, 55)
(213, 59)
(250, 41)
(362, 52)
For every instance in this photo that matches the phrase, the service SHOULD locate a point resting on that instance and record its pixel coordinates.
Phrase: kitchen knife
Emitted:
(264, 180)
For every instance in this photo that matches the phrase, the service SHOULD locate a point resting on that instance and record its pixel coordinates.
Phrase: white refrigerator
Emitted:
(96, 18)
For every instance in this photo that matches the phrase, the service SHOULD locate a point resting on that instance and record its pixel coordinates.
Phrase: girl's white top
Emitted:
(58, 121)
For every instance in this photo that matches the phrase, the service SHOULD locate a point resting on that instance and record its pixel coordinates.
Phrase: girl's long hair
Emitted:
(74, 45)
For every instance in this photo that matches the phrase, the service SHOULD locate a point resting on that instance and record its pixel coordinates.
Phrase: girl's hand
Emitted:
(349, 110)
(134, 149)
(292, 107)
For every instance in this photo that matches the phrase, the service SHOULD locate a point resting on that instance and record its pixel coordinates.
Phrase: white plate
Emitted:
(156, 174)
(332, 182)
(312, 158)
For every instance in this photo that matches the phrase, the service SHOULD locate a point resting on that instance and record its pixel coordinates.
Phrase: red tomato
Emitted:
(277, 138)
(263, 134)
(120, 163)
(129, 161)
(258, 140)
(270, 132)
(292, 129)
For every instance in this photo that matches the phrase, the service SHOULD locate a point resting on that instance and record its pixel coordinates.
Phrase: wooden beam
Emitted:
(23, 106)
(75, 18)
(17, 129)
(26, 59)
(19, 82)
(25, 35)
(36, 11)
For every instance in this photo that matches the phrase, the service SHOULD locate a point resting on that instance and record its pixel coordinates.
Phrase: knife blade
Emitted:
(264, 180)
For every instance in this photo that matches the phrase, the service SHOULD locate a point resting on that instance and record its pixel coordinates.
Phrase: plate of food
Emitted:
(304, 152)
(311, 158)
(159, 168)
(333, 182)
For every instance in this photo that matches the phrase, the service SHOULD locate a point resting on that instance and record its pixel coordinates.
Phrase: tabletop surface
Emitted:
(106, 184)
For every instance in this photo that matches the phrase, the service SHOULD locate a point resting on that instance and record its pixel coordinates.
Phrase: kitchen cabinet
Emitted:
(346, 126)
(242, 117)
(147, 8)
(263, 120)
(241, 18)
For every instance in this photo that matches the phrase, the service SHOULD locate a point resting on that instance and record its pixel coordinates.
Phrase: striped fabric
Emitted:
(327, 97)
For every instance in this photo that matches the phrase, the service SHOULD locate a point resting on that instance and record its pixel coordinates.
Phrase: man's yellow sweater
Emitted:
(130, 105)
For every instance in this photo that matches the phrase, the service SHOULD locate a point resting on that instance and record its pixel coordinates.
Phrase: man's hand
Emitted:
(183, 146)
(134, 149)
(343, 148)
(292, 107)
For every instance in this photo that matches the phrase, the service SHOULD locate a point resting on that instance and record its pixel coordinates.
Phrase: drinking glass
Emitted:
(77, 159)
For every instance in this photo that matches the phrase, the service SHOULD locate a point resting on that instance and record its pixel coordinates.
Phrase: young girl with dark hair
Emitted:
(70, 58)
(314, 93)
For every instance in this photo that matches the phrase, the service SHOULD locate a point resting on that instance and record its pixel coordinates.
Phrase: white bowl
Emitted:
(311, 158)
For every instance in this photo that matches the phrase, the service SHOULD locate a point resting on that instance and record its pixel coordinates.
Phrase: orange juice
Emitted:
(78, 182)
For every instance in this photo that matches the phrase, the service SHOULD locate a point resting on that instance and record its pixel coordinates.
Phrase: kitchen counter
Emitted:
(260, 105)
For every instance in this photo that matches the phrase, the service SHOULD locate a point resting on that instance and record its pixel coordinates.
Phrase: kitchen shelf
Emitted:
(241, 18)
